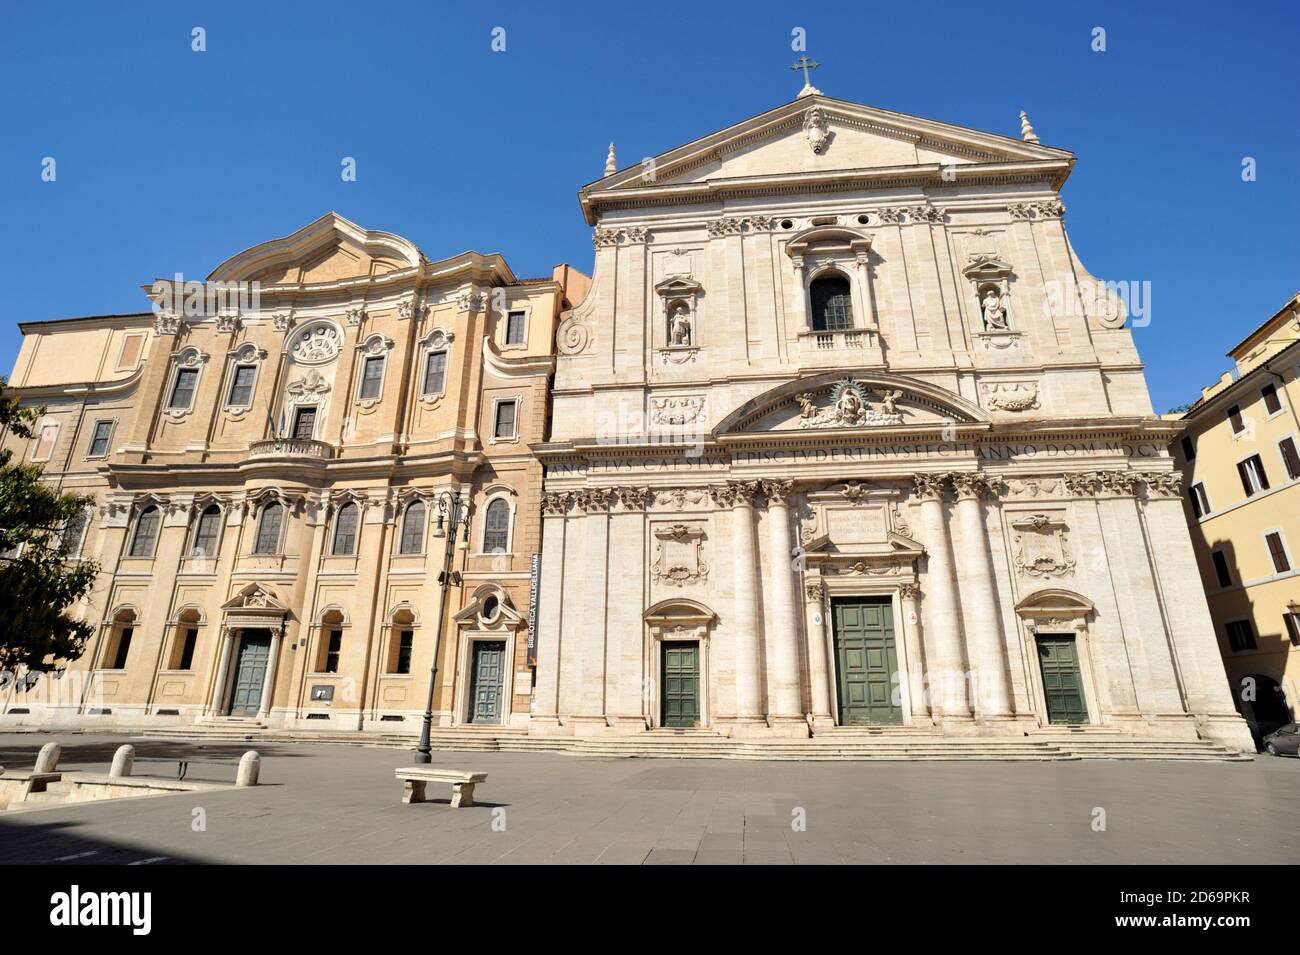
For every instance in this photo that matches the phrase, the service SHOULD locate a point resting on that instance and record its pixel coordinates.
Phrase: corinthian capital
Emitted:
(929, 487)
(777, 492)
(970, 486)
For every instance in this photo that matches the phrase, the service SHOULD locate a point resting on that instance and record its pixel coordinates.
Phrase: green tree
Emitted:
(38, 583)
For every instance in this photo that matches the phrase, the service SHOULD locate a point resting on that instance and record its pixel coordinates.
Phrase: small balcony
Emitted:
(848, 346)
(300, 449)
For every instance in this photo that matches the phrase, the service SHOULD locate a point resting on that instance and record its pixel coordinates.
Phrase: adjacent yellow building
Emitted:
(1240, 455)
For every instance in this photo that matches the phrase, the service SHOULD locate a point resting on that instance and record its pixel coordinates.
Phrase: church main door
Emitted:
(866, 660)
(1062, 683)
(250, 672)
(680, 698)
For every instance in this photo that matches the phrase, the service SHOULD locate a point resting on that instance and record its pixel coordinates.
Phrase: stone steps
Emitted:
(844, 743)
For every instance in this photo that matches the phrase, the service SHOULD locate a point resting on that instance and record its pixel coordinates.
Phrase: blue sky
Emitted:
(170, 160)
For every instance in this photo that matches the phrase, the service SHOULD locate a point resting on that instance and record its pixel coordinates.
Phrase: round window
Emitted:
(491, 606)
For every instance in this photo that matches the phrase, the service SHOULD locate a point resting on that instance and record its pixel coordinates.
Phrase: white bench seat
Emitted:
(417, 777)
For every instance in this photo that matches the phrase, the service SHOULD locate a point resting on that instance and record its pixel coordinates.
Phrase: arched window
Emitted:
(146, 532)
(73, 535)
(118, 647)
(402, 642)
(345, 530)
(184, 640)
(413, 522)
(268, 529)
(832, 304)
(207, 532)
(496, 527)
(330, 647)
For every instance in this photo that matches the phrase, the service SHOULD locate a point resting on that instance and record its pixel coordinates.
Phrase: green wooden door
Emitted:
(680, 699)
(1062, 682)
(250, 672)
(487, 681)
(866, 660)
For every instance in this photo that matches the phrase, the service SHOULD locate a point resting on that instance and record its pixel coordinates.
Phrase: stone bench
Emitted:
(462, 784)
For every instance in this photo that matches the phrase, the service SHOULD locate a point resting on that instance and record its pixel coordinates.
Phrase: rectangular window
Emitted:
(45, 441)
(1189, 448)
(99, 439)
(123, 648)
(1200, 500)
(332, 652)
(304, 423)
(129, 356)
(435, 373)
(1272, 403)
(1276, 551)
(504, 426)
(187, 649)
(1290, 457)
(372, 377)
(183, 390)
(1241, 635)
(1221, 568)
(241, 386)
(1292, 628)
(1234, 416)
(1253, 478)
(515, 328)
(405, 640)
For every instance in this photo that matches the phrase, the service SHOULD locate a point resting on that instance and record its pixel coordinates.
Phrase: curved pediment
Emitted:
(328, 250)
(859, 402)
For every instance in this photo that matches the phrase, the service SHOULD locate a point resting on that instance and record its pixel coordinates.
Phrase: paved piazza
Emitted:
(340, 804)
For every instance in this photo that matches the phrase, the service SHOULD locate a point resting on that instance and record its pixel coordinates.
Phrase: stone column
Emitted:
(945, 676)
(223, 666)
(590, 714)
(268, 682)
(818, 670)
(985, 647)
(744, 625)
(784, 698)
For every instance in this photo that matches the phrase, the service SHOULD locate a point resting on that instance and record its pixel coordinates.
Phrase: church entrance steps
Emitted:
(840, 743)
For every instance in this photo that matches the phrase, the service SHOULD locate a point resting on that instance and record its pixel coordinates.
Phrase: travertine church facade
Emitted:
(846, 435)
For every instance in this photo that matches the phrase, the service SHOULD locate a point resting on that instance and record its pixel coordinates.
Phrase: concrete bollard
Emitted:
(47, 760)
(123, 760)
(250, 764)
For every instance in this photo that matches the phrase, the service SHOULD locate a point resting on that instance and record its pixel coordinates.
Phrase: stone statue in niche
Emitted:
(679, 327)
(994, 309)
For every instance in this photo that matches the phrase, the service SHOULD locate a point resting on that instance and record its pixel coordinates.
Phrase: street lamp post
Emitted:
(453, 516)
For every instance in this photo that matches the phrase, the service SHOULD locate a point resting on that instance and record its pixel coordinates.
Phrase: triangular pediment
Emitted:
(816, 135)
(331, 249)
(256, 598)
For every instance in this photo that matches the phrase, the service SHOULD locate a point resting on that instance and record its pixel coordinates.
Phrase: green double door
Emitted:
(680, 697)
(866, 660)
(250, 672)
(1062, 682)
(487, 682)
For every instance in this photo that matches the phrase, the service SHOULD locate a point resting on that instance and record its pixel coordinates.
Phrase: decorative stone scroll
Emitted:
(572, 338)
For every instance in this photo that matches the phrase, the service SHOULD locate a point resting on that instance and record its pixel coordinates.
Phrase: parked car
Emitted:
(1284, 740)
